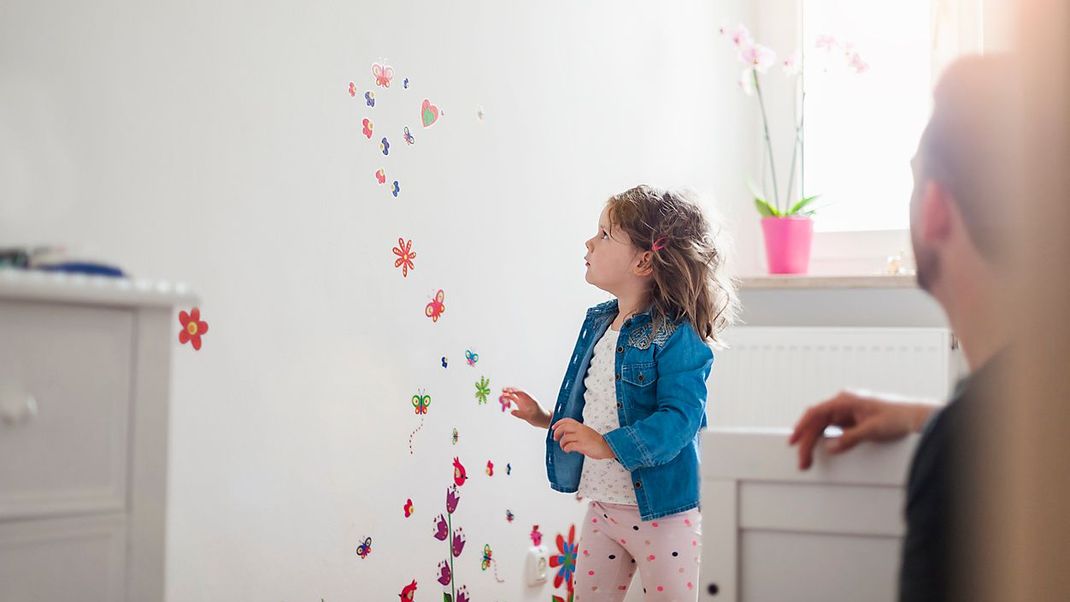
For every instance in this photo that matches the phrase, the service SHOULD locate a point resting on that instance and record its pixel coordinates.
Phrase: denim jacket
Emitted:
(660, 369)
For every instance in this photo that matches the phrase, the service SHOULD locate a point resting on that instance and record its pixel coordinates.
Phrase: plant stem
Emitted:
(802, 146)
(791, 171)
(795, 110)
(453, 574)
(768, 142)
(802, 124)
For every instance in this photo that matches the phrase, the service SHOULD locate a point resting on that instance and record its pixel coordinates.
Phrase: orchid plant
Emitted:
(757, 59)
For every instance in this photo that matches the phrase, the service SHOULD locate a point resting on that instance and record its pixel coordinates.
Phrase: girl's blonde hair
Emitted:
(688, 264)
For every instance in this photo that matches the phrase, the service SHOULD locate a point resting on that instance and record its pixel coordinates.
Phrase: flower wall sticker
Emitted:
(405, 255)
(443, 528)
(193, 328)
(482, 389)
(565, 561)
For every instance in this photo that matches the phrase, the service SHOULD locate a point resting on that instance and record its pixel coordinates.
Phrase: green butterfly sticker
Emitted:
(421, 403)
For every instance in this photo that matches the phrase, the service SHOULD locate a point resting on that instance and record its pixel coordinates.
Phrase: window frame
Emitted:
(958, 27)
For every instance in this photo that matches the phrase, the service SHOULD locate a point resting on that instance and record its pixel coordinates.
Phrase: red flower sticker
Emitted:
(405, 256)
(566, 559)
(192, 328)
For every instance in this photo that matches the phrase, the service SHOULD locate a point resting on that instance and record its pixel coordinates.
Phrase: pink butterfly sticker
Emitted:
(384, 74)
(437, 306)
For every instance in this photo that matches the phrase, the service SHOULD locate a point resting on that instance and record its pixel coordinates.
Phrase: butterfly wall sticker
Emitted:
(384, 74)
(437, 306)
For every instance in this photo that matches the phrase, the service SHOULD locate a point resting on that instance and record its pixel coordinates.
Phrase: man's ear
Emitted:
(936, 213)
(644, 264)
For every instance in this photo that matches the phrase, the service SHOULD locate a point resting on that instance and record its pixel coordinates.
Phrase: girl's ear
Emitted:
(644, 264)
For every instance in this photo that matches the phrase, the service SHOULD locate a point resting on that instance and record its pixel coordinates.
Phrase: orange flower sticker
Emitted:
(192, 328)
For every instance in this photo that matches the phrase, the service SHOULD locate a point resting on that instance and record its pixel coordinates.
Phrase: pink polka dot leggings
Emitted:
(614, 543)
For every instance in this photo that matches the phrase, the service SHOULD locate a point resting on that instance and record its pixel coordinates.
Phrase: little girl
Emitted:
(624, 432)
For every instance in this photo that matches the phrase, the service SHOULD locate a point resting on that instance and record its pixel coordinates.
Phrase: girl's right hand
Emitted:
(527, 408)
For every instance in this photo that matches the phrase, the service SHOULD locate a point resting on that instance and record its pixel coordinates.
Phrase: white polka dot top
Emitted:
(603, 480)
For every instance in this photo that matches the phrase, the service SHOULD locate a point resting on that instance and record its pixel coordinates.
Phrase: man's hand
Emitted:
(528, 408)
(862, 418)
(574, 436)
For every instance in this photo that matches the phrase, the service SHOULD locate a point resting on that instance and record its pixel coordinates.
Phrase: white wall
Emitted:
(215, 143)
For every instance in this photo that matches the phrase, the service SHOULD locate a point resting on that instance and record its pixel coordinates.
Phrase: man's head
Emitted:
(963, 174)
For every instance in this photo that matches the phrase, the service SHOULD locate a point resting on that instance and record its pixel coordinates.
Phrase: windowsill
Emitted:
(859, 300)
(896, 281)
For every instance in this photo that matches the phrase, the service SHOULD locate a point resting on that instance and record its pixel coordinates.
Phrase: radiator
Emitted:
(769, 375)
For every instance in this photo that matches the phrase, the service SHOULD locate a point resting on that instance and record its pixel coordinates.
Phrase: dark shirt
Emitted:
(940, 477)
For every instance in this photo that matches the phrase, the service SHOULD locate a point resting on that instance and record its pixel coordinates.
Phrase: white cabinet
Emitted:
(772, 533)
(81, 558)
(84, 384)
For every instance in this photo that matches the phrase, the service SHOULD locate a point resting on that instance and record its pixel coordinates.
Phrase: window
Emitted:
(861, 129)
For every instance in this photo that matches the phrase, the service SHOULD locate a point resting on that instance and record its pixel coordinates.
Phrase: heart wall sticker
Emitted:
(429, 113)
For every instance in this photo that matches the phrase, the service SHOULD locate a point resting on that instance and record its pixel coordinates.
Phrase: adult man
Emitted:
(960, 227)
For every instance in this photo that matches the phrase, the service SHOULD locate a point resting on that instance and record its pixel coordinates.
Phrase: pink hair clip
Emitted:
(659, 244)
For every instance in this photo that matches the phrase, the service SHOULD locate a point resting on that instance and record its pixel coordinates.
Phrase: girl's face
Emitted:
(612, 260)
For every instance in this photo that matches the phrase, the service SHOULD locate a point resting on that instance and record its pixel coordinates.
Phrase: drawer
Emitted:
(65, 388)
(63, 560)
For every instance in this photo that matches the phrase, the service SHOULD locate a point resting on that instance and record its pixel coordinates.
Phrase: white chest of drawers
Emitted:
(84, 386)
(772, 533)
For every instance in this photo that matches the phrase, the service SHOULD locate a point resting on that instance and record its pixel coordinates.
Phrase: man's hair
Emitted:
(970, 145)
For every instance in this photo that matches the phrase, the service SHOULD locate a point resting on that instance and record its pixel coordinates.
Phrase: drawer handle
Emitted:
(23, 413)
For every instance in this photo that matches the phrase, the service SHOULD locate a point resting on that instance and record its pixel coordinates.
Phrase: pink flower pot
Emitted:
(787, 244)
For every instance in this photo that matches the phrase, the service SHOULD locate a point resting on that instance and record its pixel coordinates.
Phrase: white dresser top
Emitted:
(30, 285)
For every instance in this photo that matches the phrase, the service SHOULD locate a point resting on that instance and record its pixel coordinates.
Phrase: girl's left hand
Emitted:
(574, 436)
